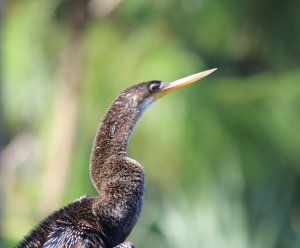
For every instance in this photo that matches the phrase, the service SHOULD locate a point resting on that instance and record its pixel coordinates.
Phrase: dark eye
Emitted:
(155, 86)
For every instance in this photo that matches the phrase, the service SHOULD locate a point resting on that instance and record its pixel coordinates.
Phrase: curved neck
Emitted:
(118, 179)
(114, 133)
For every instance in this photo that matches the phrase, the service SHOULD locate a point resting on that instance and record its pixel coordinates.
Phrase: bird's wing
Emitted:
(67, 235)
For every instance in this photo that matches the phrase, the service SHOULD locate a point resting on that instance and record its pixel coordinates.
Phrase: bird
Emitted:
(105, 220)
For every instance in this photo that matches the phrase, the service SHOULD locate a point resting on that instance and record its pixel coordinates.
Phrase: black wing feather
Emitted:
(66, 235)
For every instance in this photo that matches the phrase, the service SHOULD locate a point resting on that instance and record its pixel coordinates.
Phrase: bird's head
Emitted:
(144, 94)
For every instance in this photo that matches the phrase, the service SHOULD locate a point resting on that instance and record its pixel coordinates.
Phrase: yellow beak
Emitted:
(169, 87)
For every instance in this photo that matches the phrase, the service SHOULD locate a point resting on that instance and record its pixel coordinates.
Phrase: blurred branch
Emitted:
(63, 129)
(65, 118)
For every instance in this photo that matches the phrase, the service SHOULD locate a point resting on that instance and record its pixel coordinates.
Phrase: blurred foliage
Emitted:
(221, 157)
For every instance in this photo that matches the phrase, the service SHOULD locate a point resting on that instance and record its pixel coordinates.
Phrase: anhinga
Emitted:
(106, 220)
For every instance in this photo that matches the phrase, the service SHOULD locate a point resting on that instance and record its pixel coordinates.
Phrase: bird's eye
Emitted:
(154, 86)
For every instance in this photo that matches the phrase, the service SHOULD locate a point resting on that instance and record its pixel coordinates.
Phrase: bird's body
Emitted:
(73, 221)
(104, 221)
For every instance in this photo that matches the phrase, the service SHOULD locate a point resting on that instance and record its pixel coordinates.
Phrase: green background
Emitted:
(221, 156)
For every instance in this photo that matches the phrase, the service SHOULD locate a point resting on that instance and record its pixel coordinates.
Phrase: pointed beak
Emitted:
(169, 87)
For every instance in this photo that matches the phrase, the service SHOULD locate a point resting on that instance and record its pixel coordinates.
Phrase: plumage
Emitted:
(104, 221)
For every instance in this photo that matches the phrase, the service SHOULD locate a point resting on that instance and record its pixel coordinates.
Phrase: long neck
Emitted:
(118, 179)
(114, 133)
